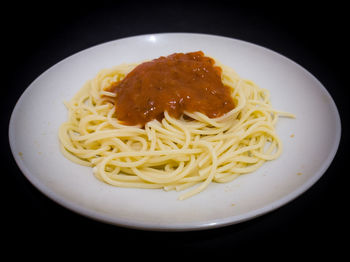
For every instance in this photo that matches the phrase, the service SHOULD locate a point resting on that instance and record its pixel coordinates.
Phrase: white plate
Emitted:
(310, 141)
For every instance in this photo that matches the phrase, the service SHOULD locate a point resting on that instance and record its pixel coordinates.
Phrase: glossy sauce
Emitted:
(176, 83)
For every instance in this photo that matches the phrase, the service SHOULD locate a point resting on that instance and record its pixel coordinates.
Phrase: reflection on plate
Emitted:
(310, 141)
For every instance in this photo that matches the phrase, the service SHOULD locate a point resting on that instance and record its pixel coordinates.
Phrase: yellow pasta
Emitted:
(173, 154)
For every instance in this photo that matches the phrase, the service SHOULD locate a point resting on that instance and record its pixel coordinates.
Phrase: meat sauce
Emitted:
(176, 83)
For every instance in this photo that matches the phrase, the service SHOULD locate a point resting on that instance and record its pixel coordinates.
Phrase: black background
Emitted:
(37, 36)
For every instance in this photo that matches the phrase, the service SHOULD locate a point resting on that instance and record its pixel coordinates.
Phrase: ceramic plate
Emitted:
(310, 141)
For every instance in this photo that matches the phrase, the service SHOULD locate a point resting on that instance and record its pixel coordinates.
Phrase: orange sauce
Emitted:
(176, 83)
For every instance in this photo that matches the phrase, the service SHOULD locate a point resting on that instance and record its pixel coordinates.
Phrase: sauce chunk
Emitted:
(176, 83)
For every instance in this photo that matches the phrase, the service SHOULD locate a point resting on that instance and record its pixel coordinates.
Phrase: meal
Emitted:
(177, 122)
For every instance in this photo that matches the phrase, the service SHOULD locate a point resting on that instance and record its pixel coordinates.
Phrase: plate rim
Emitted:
(213, 223)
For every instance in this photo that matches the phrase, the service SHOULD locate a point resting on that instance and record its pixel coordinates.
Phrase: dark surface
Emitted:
(37, 37)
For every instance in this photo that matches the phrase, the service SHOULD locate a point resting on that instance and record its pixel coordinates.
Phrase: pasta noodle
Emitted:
(172, 154)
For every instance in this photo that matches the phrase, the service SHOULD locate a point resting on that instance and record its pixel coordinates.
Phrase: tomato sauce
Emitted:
(176, 83)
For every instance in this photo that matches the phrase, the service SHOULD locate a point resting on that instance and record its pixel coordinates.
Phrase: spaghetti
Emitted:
(190, 151)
